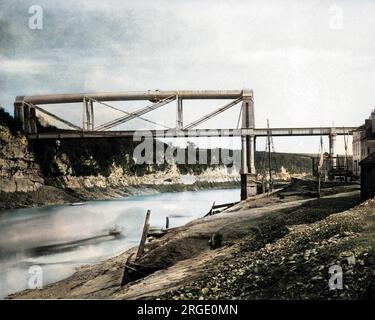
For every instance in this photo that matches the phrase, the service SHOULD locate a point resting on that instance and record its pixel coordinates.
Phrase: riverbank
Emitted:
(49, 195)
(272, 248)
(56, 172)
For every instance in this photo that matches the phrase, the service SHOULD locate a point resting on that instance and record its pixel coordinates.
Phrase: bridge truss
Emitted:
(25, 108)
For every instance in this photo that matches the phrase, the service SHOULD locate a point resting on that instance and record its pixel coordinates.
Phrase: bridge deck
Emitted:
(258, 132)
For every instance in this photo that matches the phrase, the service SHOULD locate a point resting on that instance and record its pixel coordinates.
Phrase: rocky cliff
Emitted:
(55, 171)
(47, 172)
(19, 171)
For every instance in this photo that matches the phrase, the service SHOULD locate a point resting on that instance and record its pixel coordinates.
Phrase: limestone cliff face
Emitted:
(25, 168)
(120, 178)
(18, 170)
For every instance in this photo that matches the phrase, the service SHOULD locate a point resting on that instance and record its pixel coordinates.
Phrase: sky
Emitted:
(310, 63)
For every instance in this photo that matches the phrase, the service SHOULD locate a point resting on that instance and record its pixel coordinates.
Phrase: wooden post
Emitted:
(212, 208)
(263, 185)
(144, 235)
(166, 223)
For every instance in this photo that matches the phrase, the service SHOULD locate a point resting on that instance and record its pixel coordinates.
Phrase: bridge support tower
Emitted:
(26, 114)
(248, 174)
(88, 114)
(332, 148)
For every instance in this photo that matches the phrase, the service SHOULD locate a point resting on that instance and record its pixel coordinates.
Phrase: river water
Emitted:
(58, 239)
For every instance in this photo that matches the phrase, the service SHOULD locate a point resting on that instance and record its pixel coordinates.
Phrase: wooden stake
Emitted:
(144, 235)
(166, 223)
(212, 208)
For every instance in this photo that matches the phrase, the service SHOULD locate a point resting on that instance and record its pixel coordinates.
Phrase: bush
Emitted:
(7, 120)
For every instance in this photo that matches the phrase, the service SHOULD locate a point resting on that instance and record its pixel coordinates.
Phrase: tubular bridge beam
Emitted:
(280, 132)
(155, 96)
(309, 131)
(152, 95)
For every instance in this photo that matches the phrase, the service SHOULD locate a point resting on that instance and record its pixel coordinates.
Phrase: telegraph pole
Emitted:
(320, 165)
(269, 155)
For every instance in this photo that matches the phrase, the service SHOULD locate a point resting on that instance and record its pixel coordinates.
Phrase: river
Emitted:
(63, 237)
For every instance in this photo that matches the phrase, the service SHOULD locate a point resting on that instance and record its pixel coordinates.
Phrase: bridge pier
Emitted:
(243, 155)
(27, 116)
(88, 114)
(179, 118)
(19, 113)
(332, 148)
(248, 174)
(30, 119)
(251, 153)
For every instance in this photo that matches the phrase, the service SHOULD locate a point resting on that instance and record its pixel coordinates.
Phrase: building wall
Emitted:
(357, 151)
(367, 182)
(365, 148)
(363, 142)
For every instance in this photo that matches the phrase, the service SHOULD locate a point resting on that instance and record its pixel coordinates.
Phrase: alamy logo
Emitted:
(336, 280)
(147, 152)
(36, 18)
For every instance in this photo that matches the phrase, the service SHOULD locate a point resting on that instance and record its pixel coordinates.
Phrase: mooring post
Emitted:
(146, 228)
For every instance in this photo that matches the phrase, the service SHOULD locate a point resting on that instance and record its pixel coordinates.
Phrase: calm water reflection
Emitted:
(61, 238)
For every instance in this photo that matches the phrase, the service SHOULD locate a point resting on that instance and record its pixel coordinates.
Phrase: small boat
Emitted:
(78, 204)
(156, 232)
(114, 231)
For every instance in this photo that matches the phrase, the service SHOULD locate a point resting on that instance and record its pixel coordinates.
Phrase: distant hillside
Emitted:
(292, 162)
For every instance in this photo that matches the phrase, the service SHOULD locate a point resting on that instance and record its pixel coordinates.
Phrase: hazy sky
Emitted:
(310, 63)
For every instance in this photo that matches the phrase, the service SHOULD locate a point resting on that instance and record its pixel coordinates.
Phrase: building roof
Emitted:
(361, 127)
(369, 160)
